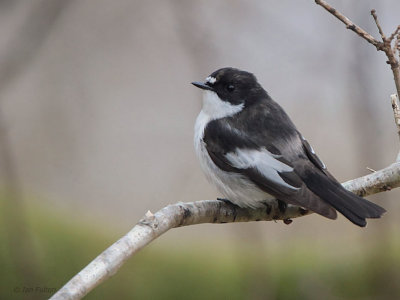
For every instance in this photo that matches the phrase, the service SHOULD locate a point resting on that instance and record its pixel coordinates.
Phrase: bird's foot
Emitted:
(287, 221)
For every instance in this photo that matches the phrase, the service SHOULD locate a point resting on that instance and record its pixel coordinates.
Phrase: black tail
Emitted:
(353, 207)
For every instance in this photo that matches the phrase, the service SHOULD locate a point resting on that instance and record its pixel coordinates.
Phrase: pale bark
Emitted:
(207, 211)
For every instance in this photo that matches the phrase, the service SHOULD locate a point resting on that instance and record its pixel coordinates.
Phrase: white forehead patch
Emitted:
(211, 79)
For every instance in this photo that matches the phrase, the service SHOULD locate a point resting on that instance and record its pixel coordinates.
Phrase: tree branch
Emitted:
(385, 45)
(376, 182)
(375, 16)
(349, 24)
(396, 112)
(207, 211)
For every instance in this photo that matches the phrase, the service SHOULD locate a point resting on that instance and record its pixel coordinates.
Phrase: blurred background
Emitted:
(96, 128)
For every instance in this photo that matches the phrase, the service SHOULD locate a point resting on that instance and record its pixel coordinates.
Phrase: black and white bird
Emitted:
(251, 150)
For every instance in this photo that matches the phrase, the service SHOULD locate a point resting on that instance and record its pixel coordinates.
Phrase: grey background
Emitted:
(96, 99)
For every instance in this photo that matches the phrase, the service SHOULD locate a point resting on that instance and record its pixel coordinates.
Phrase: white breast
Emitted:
(235, 187)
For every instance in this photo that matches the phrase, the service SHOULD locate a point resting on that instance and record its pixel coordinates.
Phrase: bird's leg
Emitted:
(226, 201)
(268, 207)
(282, 208)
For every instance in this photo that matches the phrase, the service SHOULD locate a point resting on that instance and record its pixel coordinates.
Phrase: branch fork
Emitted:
(392, 52)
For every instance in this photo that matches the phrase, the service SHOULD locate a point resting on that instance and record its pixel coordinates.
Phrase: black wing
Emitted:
(265, 146)
(265, 155)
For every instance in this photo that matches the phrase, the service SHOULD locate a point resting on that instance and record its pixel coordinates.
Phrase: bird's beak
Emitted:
(202, 86)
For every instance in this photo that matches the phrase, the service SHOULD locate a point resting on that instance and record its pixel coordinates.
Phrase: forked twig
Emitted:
(385, 45)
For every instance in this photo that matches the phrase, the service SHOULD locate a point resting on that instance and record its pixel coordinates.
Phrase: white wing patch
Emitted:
(262, 160)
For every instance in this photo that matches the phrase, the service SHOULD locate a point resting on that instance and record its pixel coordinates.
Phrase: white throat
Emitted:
(213, 108)
(232, 185)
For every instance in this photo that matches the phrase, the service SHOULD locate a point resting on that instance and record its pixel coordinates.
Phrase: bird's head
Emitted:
(233, 86)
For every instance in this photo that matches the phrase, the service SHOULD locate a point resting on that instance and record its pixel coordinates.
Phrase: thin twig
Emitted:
(374, 15)
(396, 46)
(396, 112)
(394, 34)
(384, 46)
(349, 24)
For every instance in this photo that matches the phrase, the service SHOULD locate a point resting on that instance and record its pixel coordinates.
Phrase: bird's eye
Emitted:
(230, 88)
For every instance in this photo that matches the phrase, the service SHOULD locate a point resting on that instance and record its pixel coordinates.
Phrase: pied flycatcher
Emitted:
(251, 150)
